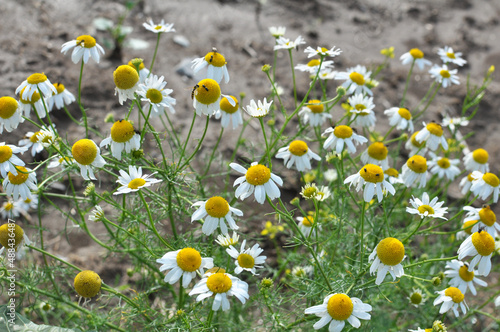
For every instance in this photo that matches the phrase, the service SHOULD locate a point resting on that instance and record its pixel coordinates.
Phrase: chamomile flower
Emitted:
(247, 259)
(451, 298)
(417, 298)
(160, 27)
(216, 66)
(306, 225)
(460, 277)
(297, 153)
(452, 123)
(415, 171)
(484, 219)
(340, 136)
(415, 146)
(448, 56)
(313, 113)
(86, 154)
(227, 240)
(444, 76)
(330, 175)
(143, 71)
(393, 176)
(20, 185)
(85, 47)
(484, 185)
(10, 114)
(221, 285)
(417, 56)
(283, 43)
(327, 74)
(60, 99)
(19, 237)
(481, 246)
(322, 51)
(466, 183)
(33, 83)
(426, 207)
(126, 81)
(133, 180)
(338, 308)
(36, 102)
(97, 214)
(372, 177)
(259, 109)
(477, 160)
(60, 161)
(87, 284)
(153, 92)
(123, 137)
(216, 210)
(355, 80)
(8, 158)
(376, 154)
(184, 263)
(206, 97)
(48, 136)
(362, 110)
(29, 203)
(400, 117)
(443, 167)
(258, 179)
(32, 140)
(229, 113)
(11, 209)
(313, 66)
(432, 135)
(387, 257)
(277, 32)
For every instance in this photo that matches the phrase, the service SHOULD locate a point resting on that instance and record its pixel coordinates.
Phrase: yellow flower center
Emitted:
(215, 59)
(483, 242)
(189, 259)
(342, 131)
(216, 269)
(158, 27)
(219, 283)
(257, 175)
(5, 234)
(298, 148)
(392, 172)
(480, 156)
(444, 163)
(470, 178)
(467, 226)
(416, 298)
(372, 173)
(309, 192)
(487, 216)
(125, 77)
(59, 87)
(217, 207)
(390, 251)
(450, 55)
(360, 107)
(404, 113)
(227, 107)
(416, 53)
(21, 177)
(308, 221)
(5, 153)
(122, 131)
(414, 141)
(340, 307)
(154, 95)
(357, 78)
(426, 208)
(136, 183)
(87, 284)
(428, 330)
(34, 138)
(444, 73)
(313, 63)
(464, 273)
(86, 41)
(435, 129)
(417, 163)
(207, 91)
(491, 179)
(378, 151)
(316, 106)
(246, 261)
(37, 78)
(34, 98)
(84, 151)
(455, 294)
(8, 206)
(8, 107)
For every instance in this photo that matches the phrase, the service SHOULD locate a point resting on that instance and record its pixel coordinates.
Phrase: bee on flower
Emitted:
(484, 218)
(400, 117)
(340, 136)
(153, 92)
(387, 257)
(356, 79)
(372, 177)
(229, 113)
(215, 63)
(216, 210)
(247, 259)
(448, 56)
(483, 185)
(477, 160)
(443, 167)
(415, 171)
(86, 154)
(444, 76)
(426, 207)
(451, 298)
(460, 277)
(134, 180)
(415, 56)
(84, 47)
(257, 180)
(480, 245)
(283, 43)
(122, 138)
(297, 153)
(10, 114)
(206, 97)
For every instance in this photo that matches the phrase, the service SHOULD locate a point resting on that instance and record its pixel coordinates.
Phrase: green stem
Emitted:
(84, 114)
(213, 152)
(267, 146)
(402, 104)
(154, 54)
(183, 151)
(153, 227)
(197, 147)
(293, 78)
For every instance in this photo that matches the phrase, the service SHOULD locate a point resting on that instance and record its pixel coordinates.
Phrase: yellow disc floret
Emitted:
(450, 55)
(416, 53)
(217, 207)
(308, 221)
(414, 141)
(372, 173)
(219, 283)
(390, 251)
(136, 183)
(357, 78)
(480, 156)
(215, 59)
(392, 172)
(87, 284)
(491, 179)
(467, 226)
(378, 151)
(5, 153)
(340, 307)
(416, 298)
(417, 163)
(455, 294)
(34, 98)
(483, 242)
(404, 113)
(216, 269)
(257, 175)
(226, 106)
(122, 131)
(125, 77)
(37, 78)
(154, 95)
(21, 177)
(84, 151)
(435, 129)
(189, 259)
(246, 261)
(298, 148)
(313, 63)
(315, 106)
(5, 235)
(488, 217)
(426, 208)
(207, 91)
(342, 131)
(445, 73)
(464, 273)
(444, 163)
(8, 107)
(85, 41)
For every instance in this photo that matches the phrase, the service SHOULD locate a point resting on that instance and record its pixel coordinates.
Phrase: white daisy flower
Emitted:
(355, 80)
(466, 183)
(160, 27)
(60, 161)
(229, 113)
(451, 298)
(227, 240)
(417, 298)
(393, 176)
(221, 285)
(443, 167)
(372, 177)
(143, 71)
(247, 259)
(362, 110)
(29, 203)
(215, 210)
(33, 83)
(415, 171)
(32, 140)
(387, 257)
(216, 66)
(481, 246)
(313, 113)
(337, 309)
(426, 208)
(477, 160)
(484, 185)
(330, 175)
(134, 180)
(417, 56)
(414, 146)
(184, 263)
(8, 158)
(454, 122)
(153, 92)
(122, 137)
(432, 135)
(313, 66)
(277, 32)
(376, 154)
(126, 81)
(400, 117)
(36, 102)
(444, 76)
(20, 238)
(20, 185)
(48, 136)
(340, 136)
(448, 56)
(484, 219)
(97, 214)
(61, 98)
(460, 277)
(86, 154)
(259, 109)
(322, 194)
(10, 114)
(11, 209)
(283, 43)
(85, 47)
(302, 271)
(306, 225)
(327, 74)
(297, 153)
(322, 51)
(206, 97)
(258, 179)
(497, 301)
